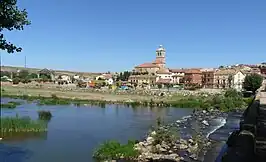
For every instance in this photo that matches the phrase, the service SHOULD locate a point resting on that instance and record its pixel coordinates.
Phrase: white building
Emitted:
(238, 79)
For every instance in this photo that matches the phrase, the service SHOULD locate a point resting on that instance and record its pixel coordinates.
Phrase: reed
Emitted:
(21, 124)
(10, 105)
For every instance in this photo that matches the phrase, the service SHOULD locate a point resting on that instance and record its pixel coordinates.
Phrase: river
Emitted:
(74, 132)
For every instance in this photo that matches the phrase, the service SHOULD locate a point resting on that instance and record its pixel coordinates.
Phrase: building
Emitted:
(153, 67)
(208, 78)
(164, 76)
(142, 79)
(229, 78)
(177, 75)
(193, 76)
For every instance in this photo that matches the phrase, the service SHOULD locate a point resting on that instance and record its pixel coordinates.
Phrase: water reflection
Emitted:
(13, 154)
(22, 136)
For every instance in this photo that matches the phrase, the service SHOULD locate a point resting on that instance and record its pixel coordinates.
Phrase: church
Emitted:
(152, 67)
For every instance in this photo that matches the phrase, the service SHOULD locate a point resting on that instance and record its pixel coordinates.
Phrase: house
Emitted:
(177, 75)
(238, 80)
(164, 74)
(142, 79)
(208, 78)
(108, 78)
(229, 78)
(193, 76)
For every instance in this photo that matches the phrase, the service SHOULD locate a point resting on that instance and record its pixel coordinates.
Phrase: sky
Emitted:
(116, 35)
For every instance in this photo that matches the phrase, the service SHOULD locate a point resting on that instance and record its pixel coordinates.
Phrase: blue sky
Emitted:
(116, 35)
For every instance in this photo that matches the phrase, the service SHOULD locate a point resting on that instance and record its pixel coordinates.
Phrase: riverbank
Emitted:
(228, 101)
(185, 140)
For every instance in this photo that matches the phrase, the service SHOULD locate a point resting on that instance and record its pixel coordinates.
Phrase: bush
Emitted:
(45, 115)
(232, 93)
(252, 82)
(16, 81)
(113, 150)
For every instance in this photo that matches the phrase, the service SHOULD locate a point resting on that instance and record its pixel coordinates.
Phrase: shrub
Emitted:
(232, 93)
(16, 81)
(45, 115)
(113, 150)
(166, 135)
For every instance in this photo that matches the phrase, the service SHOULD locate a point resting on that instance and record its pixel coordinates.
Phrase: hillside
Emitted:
(58, 72)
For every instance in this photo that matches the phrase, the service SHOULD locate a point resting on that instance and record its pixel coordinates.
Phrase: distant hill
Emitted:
(57, 72)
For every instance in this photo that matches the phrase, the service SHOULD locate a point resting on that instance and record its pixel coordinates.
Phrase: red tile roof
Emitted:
(193, 71)
(147, 65)
(177, 70)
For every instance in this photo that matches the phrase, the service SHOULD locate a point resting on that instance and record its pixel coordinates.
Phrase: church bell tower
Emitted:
(160, 56)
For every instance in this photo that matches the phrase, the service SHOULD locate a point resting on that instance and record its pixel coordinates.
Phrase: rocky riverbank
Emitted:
(184, 140)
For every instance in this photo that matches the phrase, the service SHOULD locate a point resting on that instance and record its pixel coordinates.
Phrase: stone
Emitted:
(205, 122)
(150, 140)
(190, 140)
(193, 156)
(153, 133)
(204, 111)
(183, 146)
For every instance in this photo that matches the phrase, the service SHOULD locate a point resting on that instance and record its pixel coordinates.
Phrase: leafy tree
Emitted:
(230, 79)
(5, 73)
(160, 86)
(33, 76)
(16, 81)
(23, 74)
(252, 82)
(12, 18)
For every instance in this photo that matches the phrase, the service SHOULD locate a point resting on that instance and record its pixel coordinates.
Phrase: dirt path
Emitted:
(13, 90)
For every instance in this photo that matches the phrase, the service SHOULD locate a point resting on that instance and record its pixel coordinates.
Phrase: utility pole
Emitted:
(25, 62)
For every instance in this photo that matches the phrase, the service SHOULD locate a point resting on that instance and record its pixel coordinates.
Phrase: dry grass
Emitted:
(16, 90)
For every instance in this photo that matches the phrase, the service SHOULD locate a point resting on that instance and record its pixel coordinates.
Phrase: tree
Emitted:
(252, 82)
(23, 74)
(160, 86)
(12, 18)
(230, 79)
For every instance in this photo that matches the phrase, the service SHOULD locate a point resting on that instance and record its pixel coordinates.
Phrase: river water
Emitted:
(74, 132)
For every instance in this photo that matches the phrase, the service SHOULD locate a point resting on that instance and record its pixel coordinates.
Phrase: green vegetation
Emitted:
(21, 124)
(45, 115)
(228, 101)
(113, 150)
(252, 82)
(11, 19)
(10, 105)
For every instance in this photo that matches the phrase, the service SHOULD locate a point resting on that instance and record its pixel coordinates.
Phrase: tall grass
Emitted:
(21, 124)
(10, 105)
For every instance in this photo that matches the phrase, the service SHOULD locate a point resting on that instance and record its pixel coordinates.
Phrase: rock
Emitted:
(153, 133)
(205, 122)
(204, 111)
(162, 150)
(170, 151)
(193, 156)
(183, 146)
(150, 140)
(190, 140)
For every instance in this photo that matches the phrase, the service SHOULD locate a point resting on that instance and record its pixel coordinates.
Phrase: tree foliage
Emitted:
(12, 18)
(252, 82)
